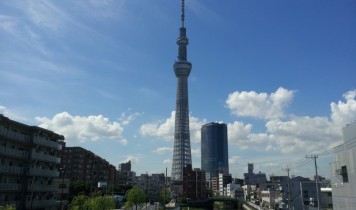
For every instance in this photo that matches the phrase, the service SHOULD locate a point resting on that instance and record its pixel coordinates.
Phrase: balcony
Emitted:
(11, 169)
(14, 135)
(45, 157)
(35, 187)
(13, 152)
(10, 187)
(43, 172)
(40, 203)
(46, 142)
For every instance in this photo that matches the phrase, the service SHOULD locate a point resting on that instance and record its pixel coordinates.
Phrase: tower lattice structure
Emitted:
(181, 152)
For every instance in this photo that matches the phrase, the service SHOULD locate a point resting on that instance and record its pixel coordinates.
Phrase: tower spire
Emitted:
(182, 16)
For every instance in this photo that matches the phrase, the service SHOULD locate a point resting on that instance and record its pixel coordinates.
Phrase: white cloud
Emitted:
(8, 24)
(167, 161)
(296, 134)
(83, 128)
(196, 152)
(134, 160)
(234, 160)
(162, 150)
(343, 113)
(238, 134)
(127, 119)
(303, 134)
(165, 130)
(259, 105)
(46, 15)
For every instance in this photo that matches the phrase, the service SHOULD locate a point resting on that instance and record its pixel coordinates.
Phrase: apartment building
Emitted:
(29, 163)
(151, 185)
(80, 164)
(194, 183)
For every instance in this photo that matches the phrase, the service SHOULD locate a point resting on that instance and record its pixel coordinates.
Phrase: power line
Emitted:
(344, 146)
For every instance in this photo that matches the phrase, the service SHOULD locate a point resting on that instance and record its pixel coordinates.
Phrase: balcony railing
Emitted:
(11, 169)
(40, 203)
(43, 172)
(35, 187)
(13, 152)
(45, 157)
(10, 187)
(46, 142)
(14, 135)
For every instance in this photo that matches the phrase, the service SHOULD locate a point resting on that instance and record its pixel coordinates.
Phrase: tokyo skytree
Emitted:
(181, 152)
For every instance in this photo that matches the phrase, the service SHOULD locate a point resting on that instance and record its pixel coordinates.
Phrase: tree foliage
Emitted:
(165, 198)
(136, 196)
(77, 188)
(80, 202)
(8, 207)
(101, 203)
(83, 202)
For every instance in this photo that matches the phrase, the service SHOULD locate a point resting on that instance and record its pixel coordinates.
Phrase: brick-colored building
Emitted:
(194, 183)
(80, 164)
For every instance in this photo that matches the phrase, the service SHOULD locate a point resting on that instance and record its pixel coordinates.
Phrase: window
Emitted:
(345, 178)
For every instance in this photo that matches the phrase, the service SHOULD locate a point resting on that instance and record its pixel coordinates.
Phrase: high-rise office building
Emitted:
(214, 150)
(182, 67)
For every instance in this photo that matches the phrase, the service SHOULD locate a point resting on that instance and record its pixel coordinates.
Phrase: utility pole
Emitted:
(288, 169)
(146, 188)
(165, 185)
(316, 177)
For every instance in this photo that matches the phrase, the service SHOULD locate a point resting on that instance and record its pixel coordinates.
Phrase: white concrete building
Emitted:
(234, 190)
(343, 171)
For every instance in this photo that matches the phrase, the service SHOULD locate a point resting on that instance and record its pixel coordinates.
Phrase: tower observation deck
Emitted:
(182, 67)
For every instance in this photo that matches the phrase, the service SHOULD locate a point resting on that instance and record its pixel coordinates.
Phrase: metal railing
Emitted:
(13, 152)
(43, 172)
(11, 169)
(45, 157)
(46, 142)
(10, 187)
(40, 203)
(35, 187)
(14, 135)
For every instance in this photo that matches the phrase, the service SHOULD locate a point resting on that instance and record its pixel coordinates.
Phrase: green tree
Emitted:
(83, 202)
(8, 207)
(80, 202)
(165, 198)
(136, 196)
(101, 203)
(77, 188)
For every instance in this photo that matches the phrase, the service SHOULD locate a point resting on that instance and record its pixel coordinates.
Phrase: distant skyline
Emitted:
(281, 75)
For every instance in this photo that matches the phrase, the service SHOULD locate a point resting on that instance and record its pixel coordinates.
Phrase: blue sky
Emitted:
(280, 73)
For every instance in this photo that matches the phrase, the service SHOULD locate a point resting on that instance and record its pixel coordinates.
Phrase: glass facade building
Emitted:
(214, 150)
